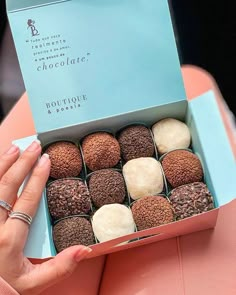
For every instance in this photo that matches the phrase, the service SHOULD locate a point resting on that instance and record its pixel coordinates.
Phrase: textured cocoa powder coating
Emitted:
(106, 187)
(136, 142)
(182, 167)
(101, 150)
(152, 211)
(66, 160)
(72, 231)
(67, 197)
(191, 199)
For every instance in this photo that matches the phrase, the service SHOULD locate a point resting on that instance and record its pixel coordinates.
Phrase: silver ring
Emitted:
(5, 205)
(22, 216)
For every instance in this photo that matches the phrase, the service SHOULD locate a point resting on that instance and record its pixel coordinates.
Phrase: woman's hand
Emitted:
(16, 269)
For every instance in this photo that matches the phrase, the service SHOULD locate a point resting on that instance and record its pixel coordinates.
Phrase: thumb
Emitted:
(60, 267)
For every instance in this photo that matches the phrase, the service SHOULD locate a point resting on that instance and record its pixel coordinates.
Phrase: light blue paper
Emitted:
(113, 57)
(211, 144)
(39, 243)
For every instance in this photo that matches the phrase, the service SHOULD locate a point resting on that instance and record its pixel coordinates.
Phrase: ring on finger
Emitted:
(5, 205)
(22, 216)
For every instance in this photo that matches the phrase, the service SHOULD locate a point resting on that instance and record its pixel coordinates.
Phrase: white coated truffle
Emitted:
(170, 134)
(143, 177)
(112, 221)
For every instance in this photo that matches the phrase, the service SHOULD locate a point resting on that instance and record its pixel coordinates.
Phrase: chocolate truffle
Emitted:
(112, 221)
(72, 231)
(152, 211)
(136, 142)
(143, 177)
(191, 199)
(106, 187)
(170, 134)
(66, 160)
(67, 197)
(182, 167)
(101, 150)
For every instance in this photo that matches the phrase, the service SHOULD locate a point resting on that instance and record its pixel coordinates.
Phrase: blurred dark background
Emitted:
(206, 37)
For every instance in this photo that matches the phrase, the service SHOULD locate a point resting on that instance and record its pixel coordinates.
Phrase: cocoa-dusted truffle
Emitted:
(136, 142)
(143, 177)
(171, 134)
(112, 221)
(101, 150)
(66, 160)
(72, 231)
(152, 211)
(182, 167)
(106, 187)
(191, 199)
(67, 197)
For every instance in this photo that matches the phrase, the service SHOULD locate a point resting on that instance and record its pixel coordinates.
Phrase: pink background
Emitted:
(198, 263)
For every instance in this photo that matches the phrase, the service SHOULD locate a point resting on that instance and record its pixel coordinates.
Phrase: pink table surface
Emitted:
(199, 263)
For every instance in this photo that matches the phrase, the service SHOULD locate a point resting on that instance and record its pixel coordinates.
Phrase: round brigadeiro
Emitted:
(143, 177)
(72, 231)
(101, 150)
(152, 211)
(68, 197)
(170, 134)
(135, 142)
(191, 199)
(106, 186)
(66, 160)
(112, 221)
(182, 167)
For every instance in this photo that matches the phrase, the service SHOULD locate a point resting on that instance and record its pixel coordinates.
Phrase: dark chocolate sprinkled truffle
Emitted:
(182, 167)
(106, 186)
(101, 150)
(152, 211)
(191, 199)
(66, 160)
(136, 142)
(72, 231)
(67, 197)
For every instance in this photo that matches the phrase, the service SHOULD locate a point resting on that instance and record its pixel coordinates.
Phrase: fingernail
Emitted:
(34, 146)
(43, 160)
(82, 253)
(12, 150)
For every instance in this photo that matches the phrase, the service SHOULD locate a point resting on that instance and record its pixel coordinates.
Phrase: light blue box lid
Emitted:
(87, 60)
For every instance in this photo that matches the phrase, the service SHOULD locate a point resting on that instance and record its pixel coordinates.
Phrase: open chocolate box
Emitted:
(99, 65)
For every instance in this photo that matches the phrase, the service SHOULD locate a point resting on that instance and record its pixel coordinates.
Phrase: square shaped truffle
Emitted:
(143, 177)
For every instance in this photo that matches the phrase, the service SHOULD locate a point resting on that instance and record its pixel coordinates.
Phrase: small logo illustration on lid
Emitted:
(31, 26)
